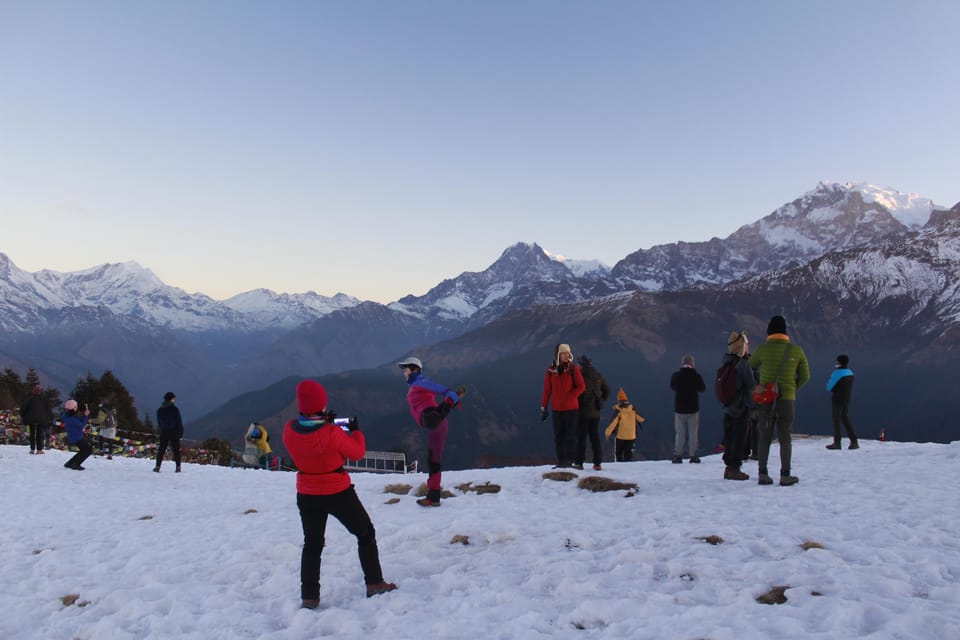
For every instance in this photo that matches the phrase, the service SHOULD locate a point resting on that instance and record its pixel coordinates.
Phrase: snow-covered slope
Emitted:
(863, 547)
(130, 290)
(830, 217)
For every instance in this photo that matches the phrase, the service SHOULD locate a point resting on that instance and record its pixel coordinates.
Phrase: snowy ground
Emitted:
(179, 556)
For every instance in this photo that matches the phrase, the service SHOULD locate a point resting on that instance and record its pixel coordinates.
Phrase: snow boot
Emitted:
(732, 473)
(853, 445)
(788, 480)
(835, 446)
(380, 587)
(694, 460)
(763, 478)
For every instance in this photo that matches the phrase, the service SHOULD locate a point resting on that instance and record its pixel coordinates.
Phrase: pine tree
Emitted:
(108, 390)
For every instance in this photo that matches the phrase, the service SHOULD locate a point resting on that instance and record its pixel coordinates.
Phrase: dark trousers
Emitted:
(84, 452)
(734, 435)
(106, 446)
(345, 507)
(565, 435)
(168, 439)
(38, 434)
(624, 450)
(781, 413)
(841, 416)
(588, 427)
(750, 442)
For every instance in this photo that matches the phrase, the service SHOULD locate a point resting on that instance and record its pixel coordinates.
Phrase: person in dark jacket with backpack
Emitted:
(171, 429)
(737, 410)
(687, 385)
(36, 414)
(588, 416)
(840, 385)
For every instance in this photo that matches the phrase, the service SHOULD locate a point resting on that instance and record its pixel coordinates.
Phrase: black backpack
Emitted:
(726, 384)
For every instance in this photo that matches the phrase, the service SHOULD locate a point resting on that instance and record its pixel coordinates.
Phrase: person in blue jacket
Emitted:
(75, 424)
(840, 385)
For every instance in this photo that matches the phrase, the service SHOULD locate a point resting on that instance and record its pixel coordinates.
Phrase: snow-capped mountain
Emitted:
(832, 216)
(287, 310)
(523, 276)
(129, 290)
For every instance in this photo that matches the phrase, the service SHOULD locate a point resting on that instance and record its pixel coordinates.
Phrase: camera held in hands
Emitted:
(347, 424)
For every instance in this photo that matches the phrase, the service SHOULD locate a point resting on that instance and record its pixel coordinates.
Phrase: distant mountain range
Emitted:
(851, 265)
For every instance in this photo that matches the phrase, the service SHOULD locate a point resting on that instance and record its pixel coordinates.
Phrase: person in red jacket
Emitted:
(319, 448)
(562, 386)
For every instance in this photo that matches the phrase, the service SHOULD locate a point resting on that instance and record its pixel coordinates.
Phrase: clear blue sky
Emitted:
(376, 148)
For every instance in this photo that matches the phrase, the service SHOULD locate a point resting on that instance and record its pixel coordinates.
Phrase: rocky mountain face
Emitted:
(832, 216)
(222, 349)
(892, 306)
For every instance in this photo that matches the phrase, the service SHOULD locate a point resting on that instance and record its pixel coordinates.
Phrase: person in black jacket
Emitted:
(171, 429)
(840, 385)
(736, 413)
(35, 413)
(588, 417)
(687, 384)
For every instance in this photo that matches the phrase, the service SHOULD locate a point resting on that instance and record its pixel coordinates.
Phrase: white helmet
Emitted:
(410, 362)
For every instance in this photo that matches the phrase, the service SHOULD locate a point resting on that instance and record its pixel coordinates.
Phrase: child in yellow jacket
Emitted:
(626, 421)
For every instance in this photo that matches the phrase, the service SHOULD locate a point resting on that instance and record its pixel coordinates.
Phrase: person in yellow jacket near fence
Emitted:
(257, 437)
(626, 422)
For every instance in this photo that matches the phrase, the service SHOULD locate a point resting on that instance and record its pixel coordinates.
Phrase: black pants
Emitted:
(345, 507)
(38, 434)
(841, 417)
(565, 435)
(106, 446)
(734, 435)
(167, 438)
(624, 450)
(84, 452)
(588, 427)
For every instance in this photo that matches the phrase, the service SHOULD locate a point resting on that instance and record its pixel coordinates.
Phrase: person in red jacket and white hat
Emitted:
(562, 385)
(319, 448)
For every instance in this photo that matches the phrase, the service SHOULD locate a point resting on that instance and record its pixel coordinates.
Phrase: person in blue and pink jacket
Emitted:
(422, 398)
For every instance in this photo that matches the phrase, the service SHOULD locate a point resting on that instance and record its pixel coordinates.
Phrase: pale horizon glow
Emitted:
(376, 148)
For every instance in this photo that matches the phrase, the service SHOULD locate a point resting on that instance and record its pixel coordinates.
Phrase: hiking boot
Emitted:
(578, 466)
(156, 469)
(853, 445)
(177, 470)
(694, 460)
(309, 604)
(77, 467)
(597, 467)
(427, 502)
(732, 473)
(764, 479)
(380, 587)
(834, 446)
(40, 452)
(677, 460)
(786, 481)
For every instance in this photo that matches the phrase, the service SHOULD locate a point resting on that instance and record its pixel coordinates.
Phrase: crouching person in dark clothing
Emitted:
(319, 449)
(75, 425)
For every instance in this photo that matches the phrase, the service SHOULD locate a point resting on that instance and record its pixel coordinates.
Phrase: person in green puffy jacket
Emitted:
(779, 360)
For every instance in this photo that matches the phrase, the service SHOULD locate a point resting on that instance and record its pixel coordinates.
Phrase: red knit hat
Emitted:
(311, 398)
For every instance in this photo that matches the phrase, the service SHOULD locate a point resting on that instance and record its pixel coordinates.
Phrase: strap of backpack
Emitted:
(783, 360)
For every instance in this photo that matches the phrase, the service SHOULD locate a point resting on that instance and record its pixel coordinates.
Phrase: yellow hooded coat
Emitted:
(625, 421)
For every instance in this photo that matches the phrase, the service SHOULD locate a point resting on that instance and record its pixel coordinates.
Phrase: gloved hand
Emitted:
(543, 414)
(354, 424)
